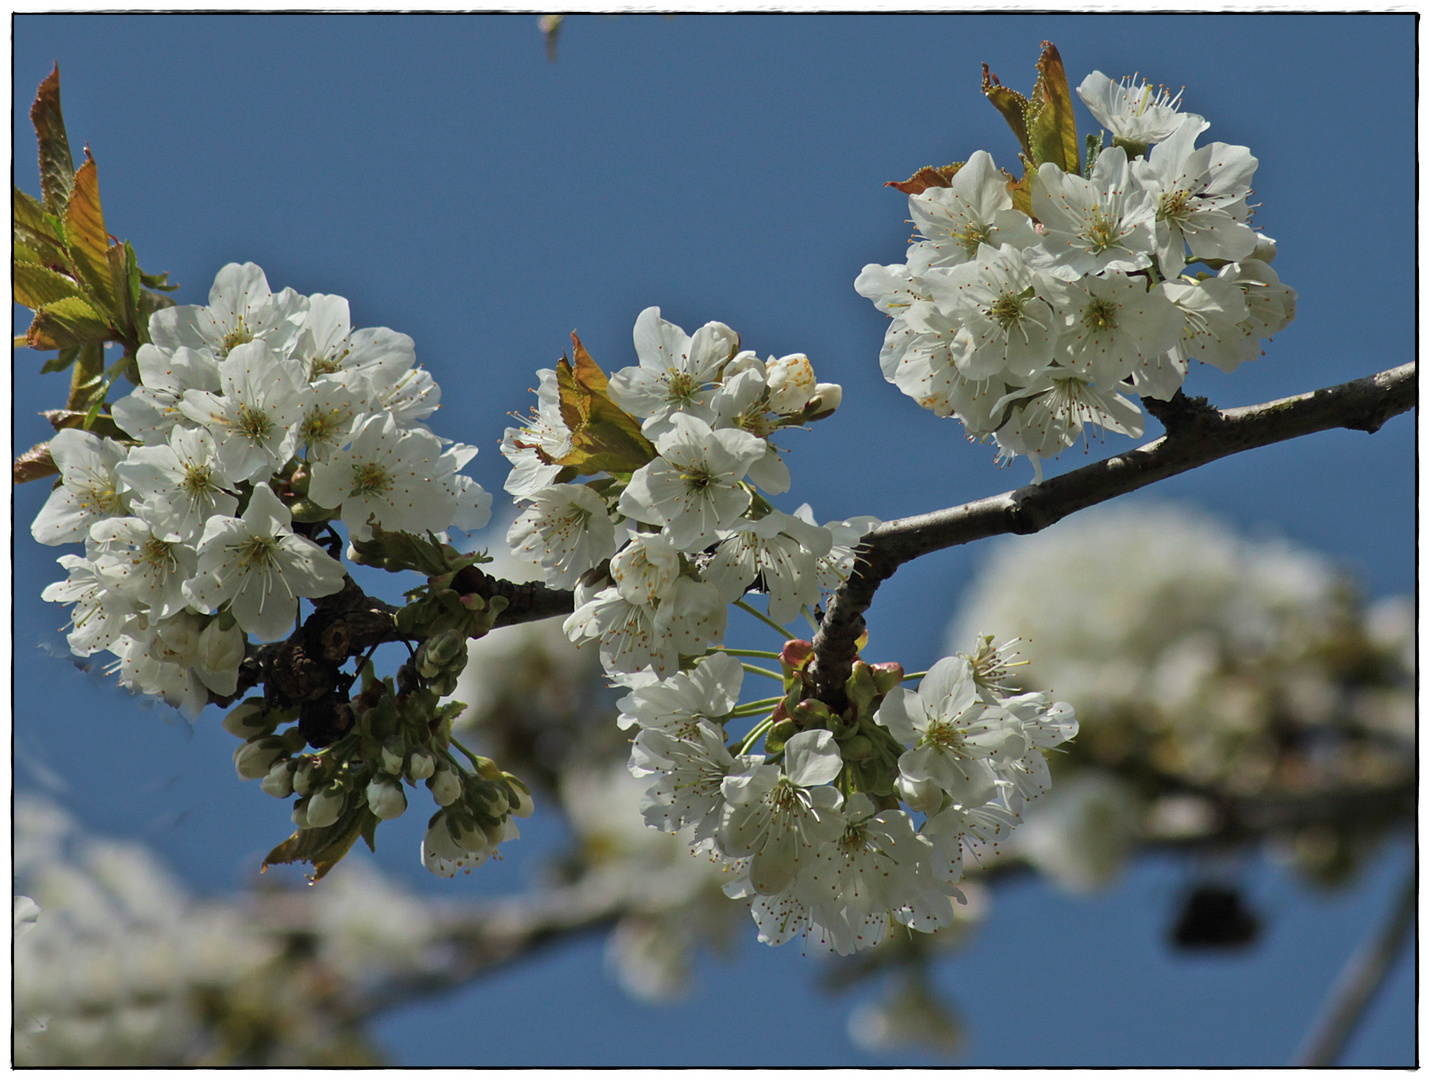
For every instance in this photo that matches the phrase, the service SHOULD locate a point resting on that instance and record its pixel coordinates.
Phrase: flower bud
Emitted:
(741, 362)
(887, 676)
(420, 765)
(279, 781)
(922, 796)
(857, 748)
(254, 758)
(780, 734)
(522, 805)
(326, 806)
(1265, 249)
(392, 757)
(827, 397)
(791, 382)
(219, 654)
(303, 778)
(446, 786)
(386, 799)
(248, 719)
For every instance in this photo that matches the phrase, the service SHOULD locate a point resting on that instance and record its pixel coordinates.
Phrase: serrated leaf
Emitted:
(56, 163)
(61, 360)
(35, 285)
(35, 464)
(1013, 106)
(124, 272)
(88, 240)
(1022, 191)
(71, 321)
(604, 437)
(926, 178)
(28, 212)
(1052, 128)
(324, 848)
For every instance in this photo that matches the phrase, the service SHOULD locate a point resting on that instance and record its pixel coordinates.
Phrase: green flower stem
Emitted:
(476, 761)
(765, 672)
(783, 633)
(755, 733)
(914, 675)
(763, 654)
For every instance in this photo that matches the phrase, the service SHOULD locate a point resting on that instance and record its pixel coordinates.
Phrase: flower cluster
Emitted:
(1029, 310)
(259, 419)
(814, 831)
(675, 527)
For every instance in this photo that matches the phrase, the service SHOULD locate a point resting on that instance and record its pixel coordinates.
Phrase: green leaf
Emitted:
(88, 240)
(71, 321)
(1052, 128)
(124, 272)
(63, 359)
(56, 164)
(369, 832)
(1013, 106)
(35, 285)
(324, 848)
(604, 437)
(1094, 148)
(29, 213)
(156, 281)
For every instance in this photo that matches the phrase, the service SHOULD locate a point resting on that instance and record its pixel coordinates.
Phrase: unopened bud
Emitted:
(1265, 249)
(521, 802)
(254, 758)
(420, 766)
(279, 781)
(392, 756)
(446, 786)
(386, 799)
(326, 806)
(826, 399)
(249, 718)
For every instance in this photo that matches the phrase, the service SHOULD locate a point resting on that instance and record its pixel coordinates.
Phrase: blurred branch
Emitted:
(1364, 974)
(1197, 434)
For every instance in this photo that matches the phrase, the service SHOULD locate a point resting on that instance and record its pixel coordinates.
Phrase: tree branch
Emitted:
(1197, 434)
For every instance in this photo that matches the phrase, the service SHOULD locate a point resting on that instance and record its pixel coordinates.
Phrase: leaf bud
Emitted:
(857, 748)
(861, 689)
(887, 676)
(780, 734)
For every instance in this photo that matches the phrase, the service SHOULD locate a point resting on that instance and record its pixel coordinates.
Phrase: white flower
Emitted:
(566, 530)
(1007, 311)
(179, 485)
(835, 567)
(373, 360)
(99, 615)
(545, 433)
(1201, 198)
(778, 816)
(976, 208)
(891, 288)
(151, 410)
(413, 396)
(644, 571)
(1053, 410)
(333, 409)
(693, 488)
(1114, 326)
(689, 773)
(674, 372)
(89, 489)
(259, 568)
(876, 868)
(1270, 305)
(393, 475)
(1132, 111)
(241, 309)
(137, 563)
(791, 382)
(1104, 222)
(626, 632)
(955, 830)
(255, 420)
(957, 738)
(778, 554)
(921, 356)
(1212, 313)
(679, 704)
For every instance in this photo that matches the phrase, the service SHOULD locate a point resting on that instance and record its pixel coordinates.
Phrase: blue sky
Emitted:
(454, 185)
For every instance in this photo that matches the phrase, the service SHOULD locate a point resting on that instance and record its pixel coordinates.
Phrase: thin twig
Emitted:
(1364, 974)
